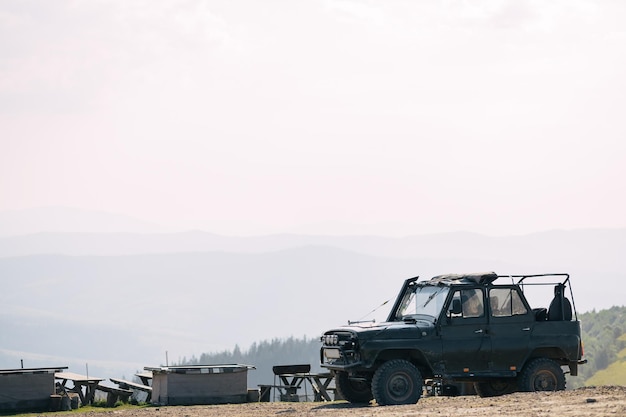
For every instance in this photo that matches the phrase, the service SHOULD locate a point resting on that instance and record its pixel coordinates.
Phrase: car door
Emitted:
(465, 342)
(510, 328)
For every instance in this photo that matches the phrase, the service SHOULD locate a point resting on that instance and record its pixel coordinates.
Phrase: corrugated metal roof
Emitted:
(200, 369)
(33, 370)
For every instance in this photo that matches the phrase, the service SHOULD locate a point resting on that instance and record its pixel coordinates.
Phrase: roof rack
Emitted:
(477, 278)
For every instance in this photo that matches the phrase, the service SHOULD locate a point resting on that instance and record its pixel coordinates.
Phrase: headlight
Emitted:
(331, 339)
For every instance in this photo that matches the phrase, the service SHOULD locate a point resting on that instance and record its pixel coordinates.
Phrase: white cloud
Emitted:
(308, 109)
(356, 11)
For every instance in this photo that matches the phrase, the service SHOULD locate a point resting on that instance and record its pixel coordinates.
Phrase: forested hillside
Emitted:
(603, 338)
(615, 373)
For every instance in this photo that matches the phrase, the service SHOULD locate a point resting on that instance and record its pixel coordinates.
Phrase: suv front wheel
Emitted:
(354, 391)
(397, 382)
(542, 374)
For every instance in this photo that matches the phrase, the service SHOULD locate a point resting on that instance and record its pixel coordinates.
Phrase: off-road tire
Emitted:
(356, 392)
(397, 382)
(542, 374)
(496, 387)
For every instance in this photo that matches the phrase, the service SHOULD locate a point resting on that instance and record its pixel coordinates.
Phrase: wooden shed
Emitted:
(28, 389)
(200, 384)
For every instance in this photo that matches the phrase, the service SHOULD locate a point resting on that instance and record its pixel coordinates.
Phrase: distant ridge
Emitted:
(592, 249)
(69, 220)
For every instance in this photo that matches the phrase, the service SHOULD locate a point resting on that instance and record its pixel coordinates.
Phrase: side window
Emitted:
(506, 302)
(471, 301)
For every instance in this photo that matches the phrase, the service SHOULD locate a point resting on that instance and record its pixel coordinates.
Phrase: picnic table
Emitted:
(294, 377)
(114, 394)
(123, 384)
(321, 383)
(89, 384)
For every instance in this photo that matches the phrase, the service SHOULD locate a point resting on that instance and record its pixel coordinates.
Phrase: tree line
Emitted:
(601, 331)
(263, 356)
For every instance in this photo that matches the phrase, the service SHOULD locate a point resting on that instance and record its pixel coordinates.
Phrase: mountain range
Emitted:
(115, 301)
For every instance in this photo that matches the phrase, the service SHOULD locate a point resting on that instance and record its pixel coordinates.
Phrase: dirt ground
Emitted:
(597, 402)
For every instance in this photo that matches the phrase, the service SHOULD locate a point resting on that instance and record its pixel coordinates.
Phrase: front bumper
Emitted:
(337, 359)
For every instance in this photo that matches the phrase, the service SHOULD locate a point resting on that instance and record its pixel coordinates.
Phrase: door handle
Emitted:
(526, 329)
(478, 331)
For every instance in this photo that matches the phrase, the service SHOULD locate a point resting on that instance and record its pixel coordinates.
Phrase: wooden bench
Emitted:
(114, 394)
(128, 385)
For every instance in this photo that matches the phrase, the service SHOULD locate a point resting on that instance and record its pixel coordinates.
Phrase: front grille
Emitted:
(341, 339)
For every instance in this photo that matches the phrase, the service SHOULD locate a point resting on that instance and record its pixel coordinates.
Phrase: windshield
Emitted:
(422, 300)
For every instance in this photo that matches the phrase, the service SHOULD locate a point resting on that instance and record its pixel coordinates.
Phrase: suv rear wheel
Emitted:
(357, 392)
(397, 382)
(542, 374)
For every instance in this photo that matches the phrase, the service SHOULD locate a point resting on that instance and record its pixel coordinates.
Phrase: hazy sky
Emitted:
(318, 116)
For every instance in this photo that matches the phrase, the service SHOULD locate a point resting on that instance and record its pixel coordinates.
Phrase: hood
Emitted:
(387, 330)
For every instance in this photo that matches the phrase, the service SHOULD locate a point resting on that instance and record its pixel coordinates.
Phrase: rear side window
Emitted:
(506, 302)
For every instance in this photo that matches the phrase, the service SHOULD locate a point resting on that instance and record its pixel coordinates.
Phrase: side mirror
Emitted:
(456, 307)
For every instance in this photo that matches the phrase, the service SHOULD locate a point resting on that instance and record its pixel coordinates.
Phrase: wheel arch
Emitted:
(415, 356)
(552, 352)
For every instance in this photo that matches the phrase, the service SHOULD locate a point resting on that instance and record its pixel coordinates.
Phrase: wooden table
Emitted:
(133, 385)
(291, 383)
(80, 381)
(319, 382)
(114, 394)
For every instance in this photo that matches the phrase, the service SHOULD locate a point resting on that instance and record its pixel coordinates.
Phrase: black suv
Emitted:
(462, 329)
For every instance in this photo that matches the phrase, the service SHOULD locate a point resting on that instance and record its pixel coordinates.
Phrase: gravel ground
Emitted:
(591, 401)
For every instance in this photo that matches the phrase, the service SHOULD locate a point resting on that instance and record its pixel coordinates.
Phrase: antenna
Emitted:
(361, 319)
